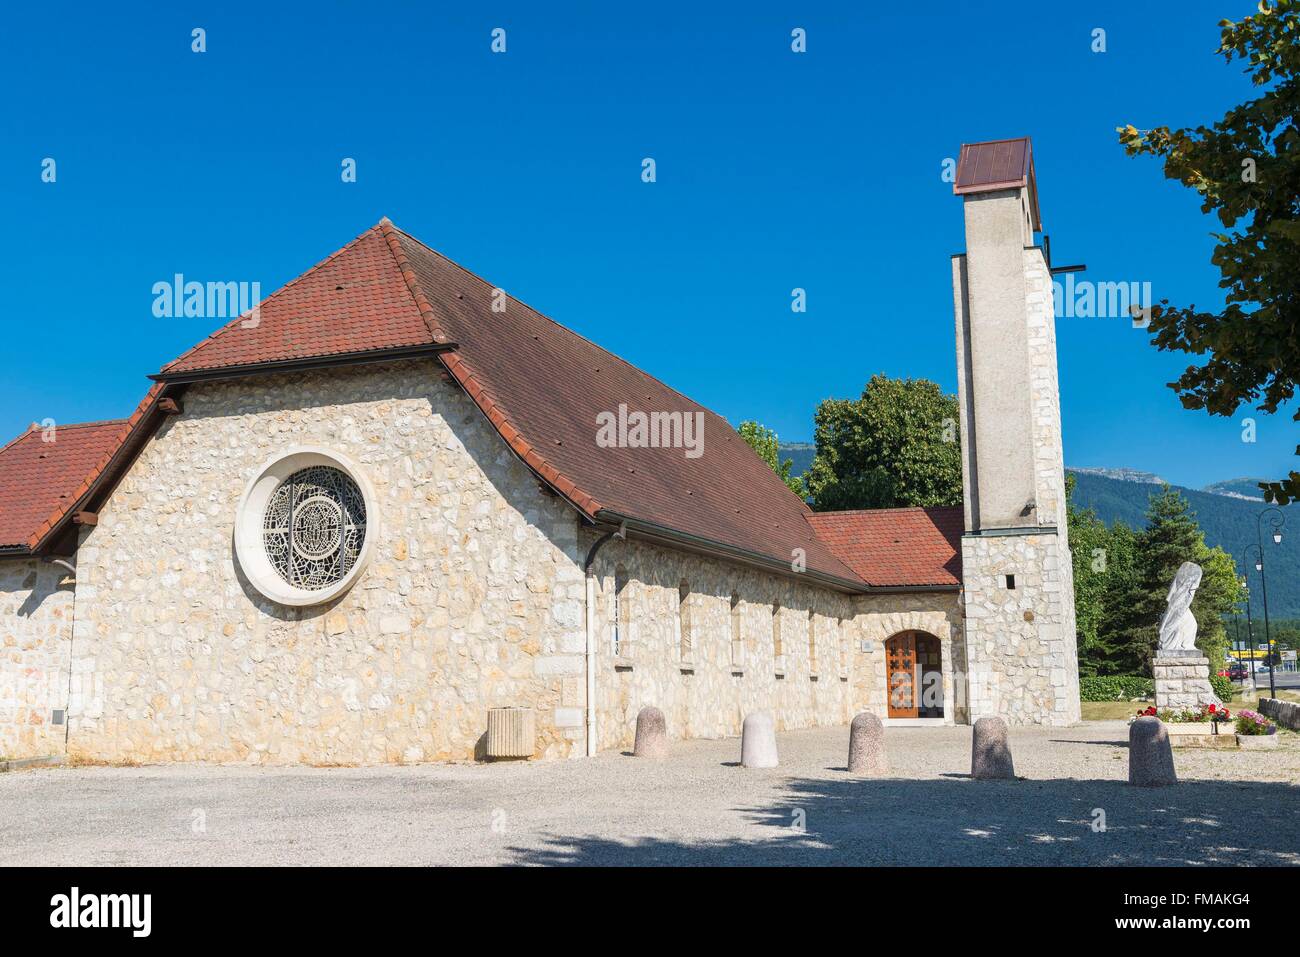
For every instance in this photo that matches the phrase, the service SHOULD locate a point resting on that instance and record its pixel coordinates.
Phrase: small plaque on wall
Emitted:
(866, 644)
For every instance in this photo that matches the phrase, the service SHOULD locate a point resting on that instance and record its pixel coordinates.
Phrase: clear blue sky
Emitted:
(775, 170)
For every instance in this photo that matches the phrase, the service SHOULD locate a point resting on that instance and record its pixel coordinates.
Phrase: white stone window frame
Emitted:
(250, 547)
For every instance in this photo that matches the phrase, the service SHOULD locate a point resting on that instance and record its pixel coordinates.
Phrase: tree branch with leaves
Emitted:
(1246, 167)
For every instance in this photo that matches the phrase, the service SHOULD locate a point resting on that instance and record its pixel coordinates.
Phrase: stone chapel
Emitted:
(346, 527)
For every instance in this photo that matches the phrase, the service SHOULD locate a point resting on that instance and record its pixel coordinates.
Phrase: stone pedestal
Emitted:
(1182, 681)
(867, 746)
(1150, 758)
(758, 741)
(651, 734)
(990, 751)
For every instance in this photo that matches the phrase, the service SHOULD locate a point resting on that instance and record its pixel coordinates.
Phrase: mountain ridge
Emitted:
(1226, 512)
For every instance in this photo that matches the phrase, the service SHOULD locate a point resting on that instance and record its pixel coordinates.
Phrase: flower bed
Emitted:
(1203, 714)
(1194, 727)
(1199, 727)
(1252, 724)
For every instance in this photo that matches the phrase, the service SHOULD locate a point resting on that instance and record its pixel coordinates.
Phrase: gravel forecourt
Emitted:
(697, 807)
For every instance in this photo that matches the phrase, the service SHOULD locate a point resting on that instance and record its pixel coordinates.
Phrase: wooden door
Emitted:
(900, 675)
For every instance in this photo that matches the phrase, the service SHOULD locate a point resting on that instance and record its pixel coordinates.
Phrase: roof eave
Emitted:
(990, 187)
(131, 445)
(309, 363)
(653, 531)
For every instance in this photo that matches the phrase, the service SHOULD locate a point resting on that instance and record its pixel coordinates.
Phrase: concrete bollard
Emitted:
(1150, 758)
(651, 734)
(990, 753)
(758, 741)
(867, 746)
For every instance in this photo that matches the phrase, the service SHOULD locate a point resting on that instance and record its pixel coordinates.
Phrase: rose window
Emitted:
(314, 527)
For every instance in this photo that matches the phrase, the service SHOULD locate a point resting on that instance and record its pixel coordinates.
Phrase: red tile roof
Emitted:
(543, 387)
(540, 385)
(897, 546)
(353, 301)
(42, 482)
(41, 478)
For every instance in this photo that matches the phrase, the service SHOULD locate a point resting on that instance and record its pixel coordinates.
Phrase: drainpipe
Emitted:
(72, 626)
(591, 633)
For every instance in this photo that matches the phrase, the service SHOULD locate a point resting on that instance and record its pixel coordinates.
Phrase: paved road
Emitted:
(1282, 679)
(695, 808)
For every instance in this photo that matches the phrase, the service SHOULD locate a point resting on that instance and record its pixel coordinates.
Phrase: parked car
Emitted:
(1237, 671)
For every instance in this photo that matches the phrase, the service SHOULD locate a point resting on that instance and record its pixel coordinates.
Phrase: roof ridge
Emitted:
(877, 511)
(83, 425)
(59, 513)
(422, 304)
(559, 325)
(221, 330)
(18, 438)
(475, 387)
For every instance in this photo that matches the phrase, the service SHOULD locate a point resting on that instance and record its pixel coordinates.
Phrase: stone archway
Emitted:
(914, 678)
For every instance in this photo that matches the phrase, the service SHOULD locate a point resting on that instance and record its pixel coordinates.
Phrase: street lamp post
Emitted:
(1236, 643)
(1250, 625)
(1278, 521)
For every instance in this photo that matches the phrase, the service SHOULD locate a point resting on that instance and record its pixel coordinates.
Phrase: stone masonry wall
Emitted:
(1020, 641)
(1183, 682)
(1045, 393)
(708, 694)
(879, 617)
(36, 612)
(472, 599)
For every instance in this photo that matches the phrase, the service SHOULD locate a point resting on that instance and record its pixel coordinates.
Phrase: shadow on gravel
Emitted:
(955, 822)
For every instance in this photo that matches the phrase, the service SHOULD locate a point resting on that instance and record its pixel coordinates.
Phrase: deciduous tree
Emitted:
(764, 441)
(897, 445)
(1246, 166)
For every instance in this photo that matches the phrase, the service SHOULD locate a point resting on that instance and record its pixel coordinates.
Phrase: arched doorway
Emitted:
(913, 675)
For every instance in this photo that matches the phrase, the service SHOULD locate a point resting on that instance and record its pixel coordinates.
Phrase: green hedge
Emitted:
(1222, 686)
(1116, 688)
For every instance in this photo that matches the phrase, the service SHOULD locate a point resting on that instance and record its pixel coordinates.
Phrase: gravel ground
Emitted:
(696, 808)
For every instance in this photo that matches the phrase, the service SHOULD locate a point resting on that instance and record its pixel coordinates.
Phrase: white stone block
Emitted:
(558, 665)
(568, 717)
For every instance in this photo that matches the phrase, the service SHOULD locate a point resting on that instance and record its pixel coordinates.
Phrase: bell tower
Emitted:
(1017, 578)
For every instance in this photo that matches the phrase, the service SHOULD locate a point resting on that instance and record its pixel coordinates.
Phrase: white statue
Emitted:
(1178, 626)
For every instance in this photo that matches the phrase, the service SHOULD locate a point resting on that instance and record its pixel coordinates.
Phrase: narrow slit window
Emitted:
(777, 650)
(684, 619)
(619, 618)
(737, 635)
